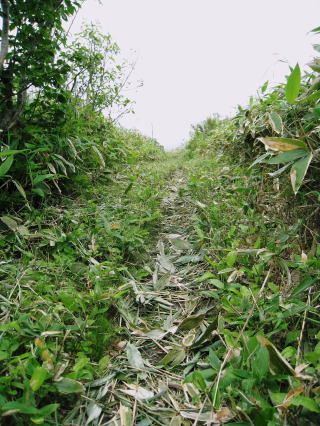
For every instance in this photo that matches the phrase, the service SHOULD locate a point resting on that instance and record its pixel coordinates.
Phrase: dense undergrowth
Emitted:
(262, 241)
(61, 269)
(81, 204)
(263, 359)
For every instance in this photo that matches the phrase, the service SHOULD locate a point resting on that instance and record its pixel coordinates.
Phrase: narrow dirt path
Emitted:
(166, 322)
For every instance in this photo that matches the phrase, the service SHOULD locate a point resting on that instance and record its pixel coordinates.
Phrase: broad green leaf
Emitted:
(191, 322)
(38, 377)
(48, 409)
(298, 171)
(231, 259)
(20, 189)
(207, 334)
(100, 156)
(39, 191)
(304, 285)
(293, 85)
(11, 223)
(198, 379)
(138, 392)
(67, 385)
(180, 244)
(19, 407)
(126, 415)
(11, 152)
(93, 412)
(37, 420)
(277, 398)
(217, 283)
(283, 144)
(276, 122)
(260, 362)
(316, 30)
(134, 357)
(183, 260)
(287, 156)
(6, 165)
(173, 357)
(41, 178)
(205, 277)
(308, 403)
(278, 364)
(213, 359)
(264, 86)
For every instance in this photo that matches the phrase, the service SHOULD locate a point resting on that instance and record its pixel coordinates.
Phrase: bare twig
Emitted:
(298, 356)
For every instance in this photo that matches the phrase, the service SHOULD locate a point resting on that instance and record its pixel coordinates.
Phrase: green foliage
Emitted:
(291, 112)
(262, 248)
(63, 269)
(265, 291)
(60, 130)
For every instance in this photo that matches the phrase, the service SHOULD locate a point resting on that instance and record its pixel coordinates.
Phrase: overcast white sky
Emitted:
(199, 57)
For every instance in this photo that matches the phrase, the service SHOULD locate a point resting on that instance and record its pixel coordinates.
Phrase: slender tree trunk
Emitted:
(5, 32)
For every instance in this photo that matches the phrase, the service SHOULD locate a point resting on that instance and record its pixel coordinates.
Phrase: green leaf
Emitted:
(231, 259)
(260, 362)
(20, 189)
(283, 144)
(304, 285)
(293, 85)
(299, 170)
(205, 277)
(264, 86)
(38, 377)
(213, 359)
(19, 407)
(217, 283)
(11, 223)
(308, 403)
(37, 420)
(276, 122)
(6, 165)
(11, 152)
(191, 322)
(100, 156)
(198, 380)
(67, 385)
(41, 178)
(48, 409)
(173, 357)
(311, 98)
(278, 364)
(287, 156)
(39, 191)
(134, 357)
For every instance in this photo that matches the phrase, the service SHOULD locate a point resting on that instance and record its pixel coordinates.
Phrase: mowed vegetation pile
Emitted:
(143, 287)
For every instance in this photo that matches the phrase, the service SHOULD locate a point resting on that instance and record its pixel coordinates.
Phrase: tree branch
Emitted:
(5, 32)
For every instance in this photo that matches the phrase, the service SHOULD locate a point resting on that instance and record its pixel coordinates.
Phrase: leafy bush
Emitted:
(60, 130)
